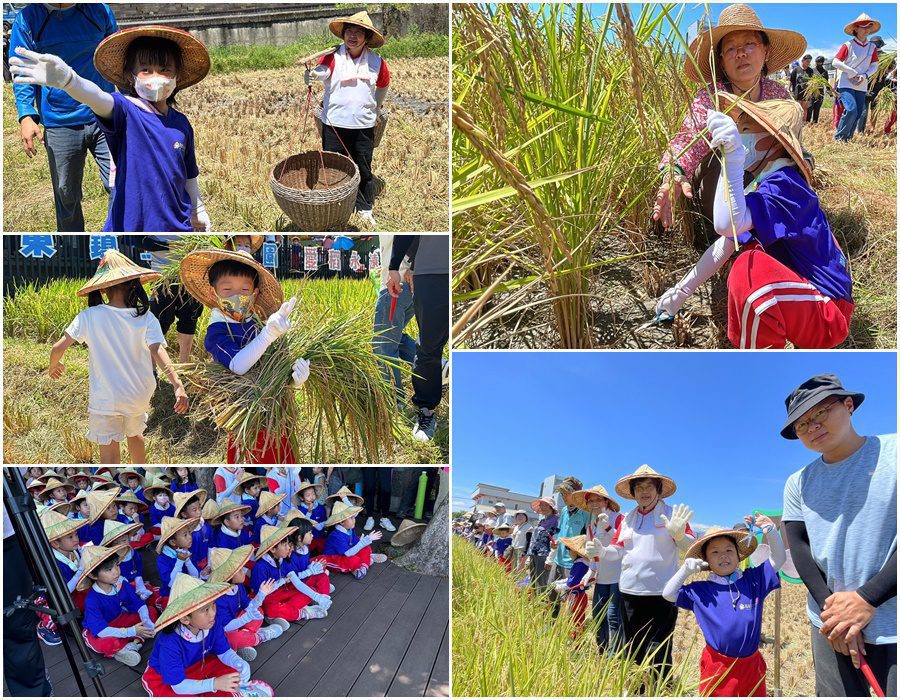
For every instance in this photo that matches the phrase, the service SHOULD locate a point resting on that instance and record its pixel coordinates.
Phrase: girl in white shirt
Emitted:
(122, 336)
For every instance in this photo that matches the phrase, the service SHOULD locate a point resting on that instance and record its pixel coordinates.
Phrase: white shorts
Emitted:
(104, 429)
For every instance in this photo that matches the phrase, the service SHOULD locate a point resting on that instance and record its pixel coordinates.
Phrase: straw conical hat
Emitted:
(247, 479)
(113, 529)
(92, 557)
(503, 529)
(130, 473)
(189, 595)
(195, 278)
(744, 548)
(102, 483)
(170, 526)
(34, 484)
(80, 474)
(225, 563)
(343, 493)
(580, 499)
(576, 544)
(862, 19)
(270, 535)
(129, 497)
(155, 484)
(109, 57)
(54, 483)
(409, 531)
(783, 119)
(115, 268)
(80, 496)
(293, 514)
(784, 45)
(99, 501)
(360, 19)
(341, 512)
(210, 509)
(255, 241)
(182, 498)
(63, 507)
(172, 474)
(268, 500)
(228, 506)
(644, 472)
(57, 526)
(297, 498)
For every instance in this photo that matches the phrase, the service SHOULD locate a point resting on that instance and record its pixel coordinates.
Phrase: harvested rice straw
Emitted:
(179, 249)
(346, 396)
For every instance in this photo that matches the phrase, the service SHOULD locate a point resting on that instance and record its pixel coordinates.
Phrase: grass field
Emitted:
(505, 643)
(45, 420)
(244, 116)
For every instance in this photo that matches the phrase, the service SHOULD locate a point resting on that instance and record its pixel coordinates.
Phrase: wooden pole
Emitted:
(776, 691)
(318, 54)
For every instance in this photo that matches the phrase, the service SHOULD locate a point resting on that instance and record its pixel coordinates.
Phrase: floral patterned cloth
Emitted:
(543, 532)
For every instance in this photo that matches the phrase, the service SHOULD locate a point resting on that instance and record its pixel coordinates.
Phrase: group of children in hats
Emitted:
(233, 572)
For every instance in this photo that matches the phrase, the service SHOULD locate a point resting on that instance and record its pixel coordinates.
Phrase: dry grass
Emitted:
(243, 124)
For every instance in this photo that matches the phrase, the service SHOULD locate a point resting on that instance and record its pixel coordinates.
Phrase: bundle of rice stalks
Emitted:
(180, 248)
(345, 398)
(817, 86)
(885, 102)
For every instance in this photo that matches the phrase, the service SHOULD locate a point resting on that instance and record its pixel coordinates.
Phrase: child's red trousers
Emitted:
(244, 636)
(317, 546)
(739, 677)
(142, 541)
(287, 602)
(209, 667)
(278, 451)
(344, 564)
(769, 305)
(110, 646)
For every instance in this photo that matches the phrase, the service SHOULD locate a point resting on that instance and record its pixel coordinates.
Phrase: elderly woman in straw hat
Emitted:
(856, 61)
(648, 542)
(791, 284)
(743, 53)
(356, 82)
(119, 332)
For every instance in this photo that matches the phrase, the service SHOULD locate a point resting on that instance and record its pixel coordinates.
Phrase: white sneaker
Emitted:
(247, 653)
(313, 612)
(378, 558)
(367, 216)
(129, 657)
(280, 622)
(387, 525)
(330, 588)
(426, 424)
(264, 634)
(370, 523)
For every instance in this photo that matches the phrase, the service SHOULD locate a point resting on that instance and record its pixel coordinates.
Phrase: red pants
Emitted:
(505, 563)
(142, 541)
(110, 646)
(287, 602)
(768, 305)
(155, 532)
(732, 678)
(276, 452)
(347, 564)
(578, 608)
(161, 603)
(317, 546)
(210, 667)
(244, 636)
(891, 121)
(836, 111)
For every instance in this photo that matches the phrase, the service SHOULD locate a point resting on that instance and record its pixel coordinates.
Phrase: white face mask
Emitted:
(154, 89)
(244, 249)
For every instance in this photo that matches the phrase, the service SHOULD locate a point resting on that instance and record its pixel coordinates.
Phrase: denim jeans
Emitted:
(390, 341)
(67, 148)
(608, 634)
(854, 116)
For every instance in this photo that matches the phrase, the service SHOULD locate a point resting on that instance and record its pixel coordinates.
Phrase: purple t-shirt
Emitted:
(791, 226)
(500, 546)
(172, 655)
(225, 340)
(100, 610)
(731, 627)
(154, 157)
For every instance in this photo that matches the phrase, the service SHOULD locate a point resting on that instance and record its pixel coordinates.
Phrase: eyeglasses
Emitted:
(749, 47)
(818, 418)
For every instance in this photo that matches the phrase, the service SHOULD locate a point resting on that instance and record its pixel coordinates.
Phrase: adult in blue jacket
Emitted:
(71, 31)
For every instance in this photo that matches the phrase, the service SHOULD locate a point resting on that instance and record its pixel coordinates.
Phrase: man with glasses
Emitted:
(840, 519)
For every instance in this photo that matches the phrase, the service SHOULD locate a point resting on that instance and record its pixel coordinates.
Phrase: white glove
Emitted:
(602, 521)
(677, 524)
(40, 69)
(301, 372)
(723, 132)
(316, 568)
(593, 549)
(307, 77)
(200, 219)
(692, 565)
(712, 260)
(322, 600)
(279, 323)
(144, 593)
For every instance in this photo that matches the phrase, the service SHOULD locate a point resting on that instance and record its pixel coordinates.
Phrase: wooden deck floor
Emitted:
(387, 635)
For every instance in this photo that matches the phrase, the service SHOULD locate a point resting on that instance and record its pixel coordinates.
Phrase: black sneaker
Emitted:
(426, 424)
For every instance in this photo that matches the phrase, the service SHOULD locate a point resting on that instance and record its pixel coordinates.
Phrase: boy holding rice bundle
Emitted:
(248, 315)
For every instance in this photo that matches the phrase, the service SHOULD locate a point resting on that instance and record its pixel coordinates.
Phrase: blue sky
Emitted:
(710, 420)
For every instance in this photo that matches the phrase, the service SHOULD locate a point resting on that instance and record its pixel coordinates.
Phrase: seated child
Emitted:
(521, 538)
(239, 615)
(306, 502)
(729, 606)
(116, 620)
(188, 506)
(791, 283)
(502, 543)
(267, 513)
(130, 510)
(55, 491)
(102, 482)
(103, 507)
(300, 557)
(191, 655)
(62, 533)
(230, 520)
(79, 509)
(159, 496)
(134, 482)
(344, 550)
(249, 487)
(293, 601)
(248, 316)
(182, 479)
(579, 576)
(81, 480)
(174, 550)
(131, 567)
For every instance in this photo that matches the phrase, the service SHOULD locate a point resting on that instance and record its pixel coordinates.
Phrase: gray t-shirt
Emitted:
(849, 509)
(433, 256)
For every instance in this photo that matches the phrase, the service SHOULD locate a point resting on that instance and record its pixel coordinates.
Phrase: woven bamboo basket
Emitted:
(380, 123)
(315, 199)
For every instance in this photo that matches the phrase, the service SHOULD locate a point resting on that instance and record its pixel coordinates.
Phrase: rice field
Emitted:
(45, 420)
(248, 120)
(561, 114)
(505, 643)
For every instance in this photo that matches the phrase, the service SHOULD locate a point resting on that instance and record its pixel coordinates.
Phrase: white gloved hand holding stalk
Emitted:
(276, 326)
(677, 524)
(593, 549)
(300, 372)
